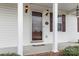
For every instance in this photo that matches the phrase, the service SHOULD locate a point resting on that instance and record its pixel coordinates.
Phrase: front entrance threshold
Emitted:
(36, 41)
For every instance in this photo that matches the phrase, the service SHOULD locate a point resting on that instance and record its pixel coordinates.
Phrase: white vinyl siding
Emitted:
(8, 25)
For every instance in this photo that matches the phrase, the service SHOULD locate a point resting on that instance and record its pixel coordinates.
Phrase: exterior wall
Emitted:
(71, 34)
(27, 27)
(8, 25)
(71, 29)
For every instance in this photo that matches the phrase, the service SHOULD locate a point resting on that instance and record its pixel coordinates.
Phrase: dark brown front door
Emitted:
(36, 25)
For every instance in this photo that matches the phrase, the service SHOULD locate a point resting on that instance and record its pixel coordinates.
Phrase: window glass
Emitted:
(59, 23)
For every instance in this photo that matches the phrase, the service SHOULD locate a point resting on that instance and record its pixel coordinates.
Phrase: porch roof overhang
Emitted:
(67, 8)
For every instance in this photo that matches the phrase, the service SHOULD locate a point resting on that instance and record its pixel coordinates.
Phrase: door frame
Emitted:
(42, 26)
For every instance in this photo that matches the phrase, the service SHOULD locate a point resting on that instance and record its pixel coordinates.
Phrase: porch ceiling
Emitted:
(67, 7)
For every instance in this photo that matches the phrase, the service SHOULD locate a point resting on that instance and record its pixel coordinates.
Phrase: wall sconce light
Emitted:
(26, 9)
(47, 13)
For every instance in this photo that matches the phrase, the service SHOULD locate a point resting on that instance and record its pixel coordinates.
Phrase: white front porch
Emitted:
(18, 32)
(32, 50)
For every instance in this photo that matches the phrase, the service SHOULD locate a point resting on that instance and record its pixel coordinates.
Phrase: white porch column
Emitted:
(55, 31)
(20, 29)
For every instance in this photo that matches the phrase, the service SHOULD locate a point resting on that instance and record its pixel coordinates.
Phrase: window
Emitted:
(36, 24)
(61, 23)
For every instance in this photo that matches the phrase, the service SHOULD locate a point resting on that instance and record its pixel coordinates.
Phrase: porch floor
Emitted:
(38, 50)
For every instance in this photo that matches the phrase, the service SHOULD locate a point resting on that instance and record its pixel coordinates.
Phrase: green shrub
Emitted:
(9, 54)
(71, 51)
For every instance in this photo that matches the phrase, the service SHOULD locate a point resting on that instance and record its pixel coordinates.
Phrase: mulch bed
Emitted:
(48, 54)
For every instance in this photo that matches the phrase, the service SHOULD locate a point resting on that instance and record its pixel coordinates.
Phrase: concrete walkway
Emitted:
(36, 49)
